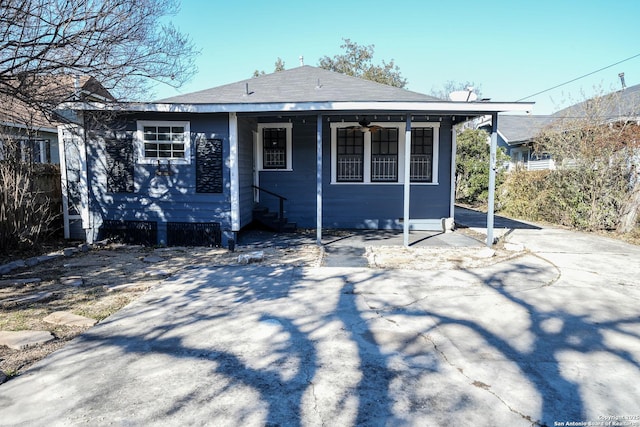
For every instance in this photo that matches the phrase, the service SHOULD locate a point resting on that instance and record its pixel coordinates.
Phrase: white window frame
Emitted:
(288, 127)
(139, 141)
(367, 152)
(27, 144)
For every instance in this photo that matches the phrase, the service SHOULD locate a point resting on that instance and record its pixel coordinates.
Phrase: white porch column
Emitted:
(234, 185)
(407, 181)
(319, 180)
(73, 157)
(492, 178)
(454, 148)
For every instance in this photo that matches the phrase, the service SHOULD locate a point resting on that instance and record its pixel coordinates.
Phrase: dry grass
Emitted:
(101, 270)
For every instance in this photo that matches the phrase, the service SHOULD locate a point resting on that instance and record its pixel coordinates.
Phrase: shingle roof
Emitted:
(517, 129)
(301, 84)
(15, 112)
(621, 104)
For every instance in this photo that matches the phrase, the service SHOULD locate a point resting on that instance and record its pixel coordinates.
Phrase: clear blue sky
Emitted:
(512, 49)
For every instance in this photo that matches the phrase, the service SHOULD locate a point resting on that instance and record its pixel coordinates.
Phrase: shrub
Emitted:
(29, 200)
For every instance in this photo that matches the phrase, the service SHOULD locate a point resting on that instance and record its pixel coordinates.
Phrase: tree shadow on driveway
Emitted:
(293, 346)
(580, 356)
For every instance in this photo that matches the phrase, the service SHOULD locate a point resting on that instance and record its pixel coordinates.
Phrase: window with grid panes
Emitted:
(384, 155)
(274, 148)
(160, 141)
(350, 155)
(421, 155)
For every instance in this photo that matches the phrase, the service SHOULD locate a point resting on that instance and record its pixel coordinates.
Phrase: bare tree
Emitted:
(50, 50)
(125, 44)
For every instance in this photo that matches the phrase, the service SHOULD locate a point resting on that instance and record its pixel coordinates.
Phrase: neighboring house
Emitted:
(516, 133)
(36, 133)
(36, 136)
(334, 151)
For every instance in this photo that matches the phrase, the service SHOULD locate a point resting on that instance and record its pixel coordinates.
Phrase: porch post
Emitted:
(319, 180)
(492, 177)
(407, 181)
(454, 149)
(63, 181)
(234, 172)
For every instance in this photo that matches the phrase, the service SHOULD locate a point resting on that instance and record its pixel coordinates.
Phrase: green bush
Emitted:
(575, 197)
(472, 167)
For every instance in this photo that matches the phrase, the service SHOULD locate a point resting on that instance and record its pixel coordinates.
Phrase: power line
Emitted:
(578, 78)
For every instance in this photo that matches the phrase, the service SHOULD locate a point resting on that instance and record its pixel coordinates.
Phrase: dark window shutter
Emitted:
(120, 164)
(209, 177)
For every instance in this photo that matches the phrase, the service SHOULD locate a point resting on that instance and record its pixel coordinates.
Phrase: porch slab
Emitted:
(354, 238)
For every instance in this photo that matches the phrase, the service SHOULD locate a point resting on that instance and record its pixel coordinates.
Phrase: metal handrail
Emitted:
(282, 199)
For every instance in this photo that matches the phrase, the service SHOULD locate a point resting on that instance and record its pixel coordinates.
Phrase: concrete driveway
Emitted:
(547, 338)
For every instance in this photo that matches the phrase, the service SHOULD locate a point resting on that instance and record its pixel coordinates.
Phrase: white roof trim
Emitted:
(440, 107)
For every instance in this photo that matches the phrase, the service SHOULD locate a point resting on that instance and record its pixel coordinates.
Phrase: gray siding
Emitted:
(156, 198)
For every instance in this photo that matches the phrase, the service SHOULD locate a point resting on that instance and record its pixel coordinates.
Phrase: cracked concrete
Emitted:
(549, 336)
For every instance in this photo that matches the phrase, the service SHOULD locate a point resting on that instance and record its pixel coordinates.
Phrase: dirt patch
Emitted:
(436, 258)
(100, 282)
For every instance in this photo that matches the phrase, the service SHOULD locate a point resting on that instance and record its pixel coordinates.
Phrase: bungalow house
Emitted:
(33, 134)
(306, 145)
(516, 133)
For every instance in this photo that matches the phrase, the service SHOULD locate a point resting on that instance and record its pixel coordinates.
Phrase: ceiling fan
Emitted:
(365, 126)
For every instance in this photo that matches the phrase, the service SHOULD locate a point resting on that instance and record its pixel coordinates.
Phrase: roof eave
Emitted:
(36, 128)
(470, 108)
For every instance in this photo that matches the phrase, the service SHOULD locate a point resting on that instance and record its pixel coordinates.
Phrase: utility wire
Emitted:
(578, 78)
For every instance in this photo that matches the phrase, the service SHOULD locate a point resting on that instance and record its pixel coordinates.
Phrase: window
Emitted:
(274, 146)
(36, 150)
(384, 155)
(350, 156)
(164, 141)
(377, 155)
(421, 155)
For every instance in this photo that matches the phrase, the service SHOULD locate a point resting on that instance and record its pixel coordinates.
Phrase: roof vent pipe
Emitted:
(621, 75)
(301, 60)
